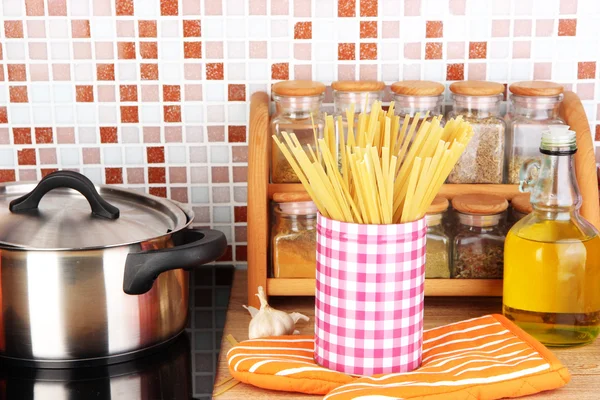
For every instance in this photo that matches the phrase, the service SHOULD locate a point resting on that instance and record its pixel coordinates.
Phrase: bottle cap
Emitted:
(558, 140)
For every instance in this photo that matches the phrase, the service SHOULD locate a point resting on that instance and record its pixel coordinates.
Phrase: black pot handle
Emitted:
(201, 247)
(65, 179)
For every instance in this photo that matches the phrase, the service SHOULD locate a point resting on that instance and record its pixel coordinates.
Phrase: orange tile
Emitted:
(477, 50)
(236, 92)
(157, 175)
(171, 93)
(108, 134)
(43, 135)
(433, 51)
(346, 8)
(567, 27)
(368, 29)
(3, 115)
(128, 92)
(22, 135)
(26, 157)
(113, 176)
(192, 49)
(16, 72)
(280, 71)
(126, 50)
(7, 175)
(1, 74)
(124, 7)
(34, 8)
(129, 114)
(147, 28)
(214, 71)
(346, 51)
(158, 191)
(84, 93)
(455, 72)
(236, 134)
(47, 171)
(368, 51)
(13, 29)
(191, 28)
(585, 70)
(18, 94)
(303, 30)
(80, 28)
(172, 113)
(155, 155)
(105, 72)
(240, 214)
(169, 7)
(597, 137)
(148, 50)
(149, 72)
(368, 8)
(434, 29)
(1, 55)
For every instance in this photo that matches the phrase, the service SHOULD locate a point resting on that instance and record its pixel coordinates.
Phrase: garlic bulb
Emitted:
(271, 322)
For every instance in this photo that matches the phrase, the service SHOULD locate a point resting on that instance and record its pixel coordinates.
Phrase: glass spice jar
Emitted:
(411, 97)
(478, 249)
(478, 102)
(533, 107)
(520, 206)
(295, 103)
(437, 258)
(294, 240)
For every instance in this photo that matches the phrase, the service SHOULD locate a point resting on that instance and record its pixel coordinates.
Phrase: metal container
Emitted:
(82, 287)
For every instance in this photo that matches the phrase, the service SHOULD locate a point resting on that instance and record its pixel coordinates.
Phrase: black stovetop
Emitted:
(180, 370)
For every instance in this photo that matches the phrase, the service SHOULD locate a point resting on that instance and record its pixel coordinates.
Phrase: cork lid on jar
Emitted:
(298, 88)
(479, 204)
(522, 203)
(358, 86)
(536, 88)
(477, 88)
(439, 204)
(418, 88)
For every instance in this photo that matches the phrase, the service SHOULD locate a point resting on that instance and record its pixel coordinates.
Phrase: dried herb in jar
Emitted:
(437, 260)
(480, 259)
(294, 245)
(514, 168)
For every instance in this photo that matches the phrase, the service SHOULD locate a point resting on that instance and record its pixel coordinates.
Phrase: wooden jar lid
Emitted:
(298, 88)
(418, 88)
(289, 197)
(536, 88)
(358, 86)
(522, 203)
(439, 204)
(477, 88)
(479, 204)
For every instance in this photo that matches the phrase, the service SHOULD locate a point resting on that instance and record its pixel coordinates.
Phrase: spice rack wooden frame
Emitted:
(260, 192)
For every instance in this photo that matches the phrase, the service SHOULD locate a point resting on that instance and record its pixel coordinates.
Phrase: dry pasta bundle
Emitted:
(380, 171)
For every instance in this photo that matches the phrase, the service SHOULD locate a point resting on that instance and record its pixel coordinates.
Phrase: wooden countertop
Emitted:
(583, 362)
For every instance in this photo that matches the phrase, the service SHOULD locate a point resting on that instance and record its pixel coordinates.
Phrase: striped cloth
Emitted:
(487, 357)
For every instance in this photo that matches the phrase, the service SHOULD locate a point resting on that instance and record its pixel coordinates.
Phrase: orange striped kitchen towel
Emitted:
(482, 358)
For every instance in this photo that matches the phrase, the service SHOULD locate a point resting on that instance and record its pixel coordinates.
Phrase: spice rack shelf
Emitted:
(260, 193)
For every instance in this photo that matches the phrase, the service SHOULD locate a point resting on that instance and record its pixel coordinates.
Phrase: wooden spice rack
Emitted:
(260, 192)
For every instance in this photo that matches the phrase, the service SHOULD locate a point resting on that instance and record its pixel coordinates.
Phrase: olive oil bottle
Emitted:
(552, 256)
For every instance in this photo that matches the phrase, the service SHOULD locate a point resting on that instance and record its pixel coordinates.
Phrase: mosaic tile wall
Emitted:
(152, 94)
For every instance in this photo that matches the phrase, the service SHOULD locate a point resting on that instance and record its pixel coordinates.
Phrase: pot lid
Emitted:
(66, 211)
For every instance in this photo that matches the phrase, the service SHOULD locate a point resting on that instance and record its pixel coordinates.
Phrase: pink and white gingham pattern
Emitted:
(369, 296)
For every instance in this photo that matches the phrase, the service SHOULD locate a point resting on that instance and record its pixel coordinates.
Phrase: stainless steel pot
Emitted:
(81, 286)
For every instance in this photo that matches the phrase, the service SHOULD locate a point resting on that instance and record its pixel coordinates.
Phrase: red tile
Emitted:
(57, 7)
(43, 135)
(34, 8)
(84, 93)
(47, 171)
(171, 93)
(346, 51)
(477, 50)
(567, 27)
(236, 92)
(26, 157)
(455, 72)
(368, 51)
(108, 134)
(126, 50)
(597, 138)
(113, 176)
(172, 113)
(303, 30)
(80, 28)
(240, 174)
(236, 134)
(13, 29)
(280, 71)
(105, 72)
(3, 115)
(220, 174)
(157, 175)
(16, 72)
(214, 71)
(1, 55)
(149, 72)
(346, 8)
(227, 256)
(434, 29)
(169, 7)
(155, 155)
(22, 135)
(148, 50)
(241, 252)
(2, 74)
(129, 114)
(368, 29)
(368, 8)
(433, 51)
(586, 70)
(128, 92)
(124, 7)
(18, 94)
(147, 29)
(158, 191)
(191, 28)
(192, 49)
(239, 153)
(7, 175)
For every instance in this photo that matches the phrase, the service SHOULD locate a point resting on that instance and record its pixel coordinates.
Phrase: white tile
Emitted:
(259, 71)
(12, 8)
(411, 72)
(412, 30)
(94, 174)
(325, 52)
(564, 71)
(222, 214)
(325, 73)
(497, 71)
(479, 30)
(258, 28)
(588, 7)
(171, 51)
(588, 27)
(326, 9)
(176, 154)
(86, 113)
(236, 71)
(69, 156)
(280, 28)
(200, 194)
(479, 9)
(3, 93)
(280, 50)
(58, 28)
(323, 30)
(102, 28)
(79, 8)
(521, 70)
(390, 72)
(434, 71)
(543, 48)
(146, 8)
(219, 154)
(213, 28)
(7, 157)
(214, 92)
(348, 30)
(236, 28)
(112, 156)
(499, 49)
(171, 72)
(236, 50)
(545, 8)
(389, 51)
(237, 113)
(215, 113)
(523, 7)
(150, 113)
(566, 49)
(128, 72)
(501, 7)
(108, 115)
(84, 72)
(170, 28)
(235, 7)
(455, 29)
(14, 51)
(393, 8)
(19, 114)
(39, 93)
(193, 113)
(63, 93)
(42, 115)
(59, 51)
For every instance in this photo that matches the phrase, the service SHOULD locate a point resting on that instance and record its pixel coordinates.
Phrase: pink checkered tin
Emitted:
(369, 296)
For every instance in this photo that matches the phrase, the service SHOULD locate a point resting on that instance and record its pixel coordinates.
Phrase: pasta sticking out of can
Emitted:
(381, 171)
